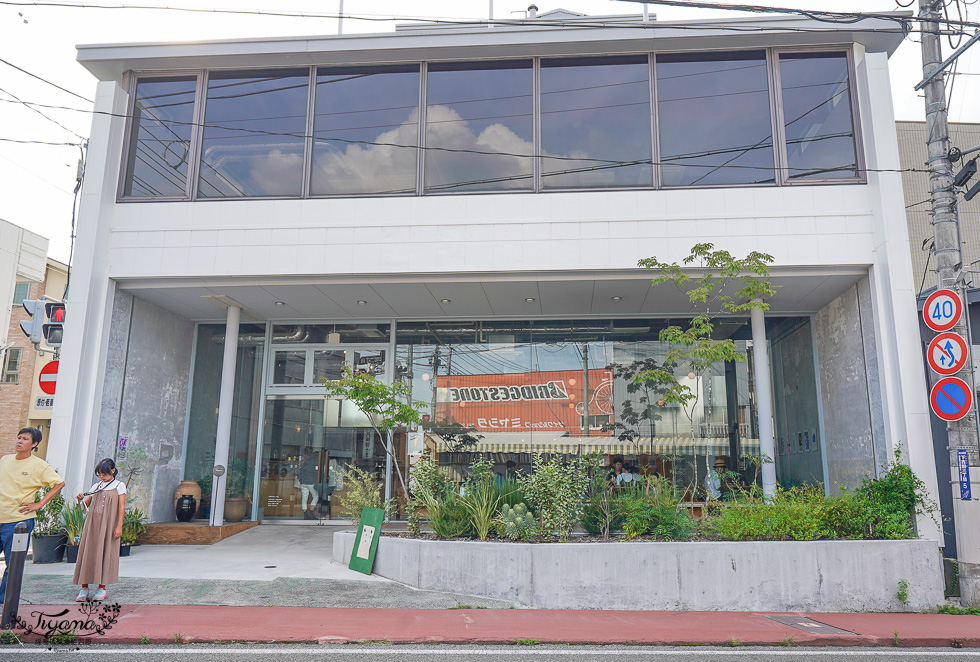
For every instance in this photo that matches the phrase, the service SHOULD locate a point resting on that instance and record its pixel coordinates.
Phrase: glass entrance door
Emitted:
(308, 444)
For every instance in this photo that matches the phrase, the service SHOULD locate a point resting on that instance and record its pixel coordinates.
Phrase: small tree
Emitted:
(386, 406)
(726, 285)
(639, 408)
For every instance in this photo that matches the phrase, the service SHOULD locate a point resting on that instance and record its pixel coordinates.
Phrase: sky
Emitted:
(38, 180)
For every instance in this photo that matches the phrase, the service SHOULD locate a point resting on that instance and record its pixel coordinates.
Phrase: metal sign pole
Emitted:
(15, 575)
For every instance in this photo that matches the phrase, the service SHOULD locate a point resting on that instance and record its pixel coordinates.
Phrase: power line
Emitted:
(625, 22)
(30, 106)
(36, 142)
(44, 80)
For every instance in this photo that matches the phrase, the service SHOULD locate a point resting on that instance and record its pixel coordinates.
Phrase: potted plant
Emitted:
(72, 521)
(48, 540)
(238, 489)
(134, 525)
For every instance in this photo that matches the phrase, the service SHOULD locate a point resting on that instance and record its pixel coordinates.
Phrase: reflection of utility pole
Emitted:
(432, 382)
(950, 265)
(585, 389)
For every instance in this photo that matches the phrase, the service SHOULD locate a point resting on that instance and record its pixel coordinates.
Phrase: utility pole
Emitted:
(949, 259)
(586, 427)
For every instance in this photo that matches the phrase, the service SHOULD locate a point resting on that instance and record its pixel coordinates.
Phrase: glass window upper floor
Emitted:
(758, 117)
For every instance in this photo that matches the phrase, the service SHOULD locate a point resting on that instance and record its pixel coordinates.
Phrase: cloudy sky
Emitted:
(38, 179)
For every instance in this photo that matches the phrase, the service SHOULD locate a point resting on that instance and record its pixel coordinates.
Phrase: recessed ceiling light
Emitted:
(445, 300)
(530, 300)
(361, 302)
(280, 303)
(617, 298)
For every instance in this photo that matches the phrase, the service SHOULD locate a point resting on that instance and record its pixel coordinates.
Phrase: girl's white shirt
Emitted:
(114, 484)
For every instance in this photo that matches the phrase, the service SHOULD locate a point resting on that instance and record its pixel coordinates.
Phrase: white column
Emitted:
(225, 406)
(763, 399)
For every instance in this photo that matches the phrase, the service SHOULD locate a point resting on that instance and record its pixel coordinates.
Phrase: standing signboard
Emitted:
(366, 542)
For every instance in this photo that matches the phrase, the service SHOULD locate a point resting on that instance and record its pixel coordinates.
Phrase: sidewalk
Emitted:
(278, 583)
(200, 624)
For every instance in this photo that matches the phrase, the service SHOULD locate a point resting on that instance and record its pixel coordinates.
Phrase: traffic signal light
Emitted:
(54, 330)
(33, 326)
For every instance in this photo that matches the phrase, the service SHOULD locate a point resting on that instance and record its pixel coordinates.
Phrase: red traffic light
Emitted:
(55, 312)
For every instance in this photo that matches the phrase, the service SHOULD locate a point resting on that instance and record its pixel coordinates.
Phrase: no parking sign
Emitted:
(951, 399)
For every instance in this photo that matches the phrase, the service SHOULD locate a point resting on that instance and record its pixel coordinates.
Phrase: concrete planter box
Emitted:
(827, 576)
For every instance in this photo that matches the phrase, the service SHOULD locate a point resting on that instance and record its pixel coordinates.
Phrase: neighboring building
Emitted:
(913, 154)
(23, 402)
(462, 209)
(22, 255)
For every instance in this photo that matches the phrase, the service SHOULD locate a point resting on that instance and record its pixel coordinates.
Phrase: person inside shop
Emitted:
(615, 470)
(627, 476)
(713, 481)
(21, 476)
(510, 473)
(308, 474)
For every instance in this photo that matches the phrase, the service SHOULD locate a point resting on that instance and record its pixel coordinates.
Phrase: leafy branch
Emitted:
(386, 406)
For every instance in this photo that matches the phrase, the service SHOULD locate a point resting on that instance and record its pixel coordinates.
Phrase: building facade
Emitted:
(463, 210)
(22, 276)
(21, 398)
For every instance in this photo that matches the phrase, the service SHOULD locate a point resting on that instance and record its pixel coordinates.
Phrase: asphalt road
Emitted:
(526, 653)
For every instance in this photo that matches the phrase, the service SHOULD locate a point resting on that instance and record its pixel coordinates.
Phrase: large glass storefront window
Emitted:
(508, 390)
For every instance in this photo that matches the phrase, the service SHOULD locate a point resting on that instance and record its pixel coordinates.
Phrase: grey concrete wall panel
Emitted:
(818, 576)
(881, 453)
(115, 370)
(848, 433)
(154, 400)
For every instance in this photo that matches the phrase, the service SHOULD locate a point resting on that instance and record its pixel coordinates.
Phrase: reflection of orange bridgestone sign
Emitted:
(524, 402)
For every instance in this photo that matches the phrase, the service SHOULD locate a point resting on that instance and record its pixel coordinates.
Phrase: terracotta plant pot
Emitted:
(235, 509)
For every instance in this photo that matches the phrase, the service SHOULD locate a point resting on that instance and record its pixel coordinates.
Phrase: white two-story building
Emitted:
(462, 209)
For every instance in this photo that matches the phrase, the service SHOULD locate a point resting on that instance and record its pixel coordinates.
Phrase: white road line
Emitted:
(518, 650)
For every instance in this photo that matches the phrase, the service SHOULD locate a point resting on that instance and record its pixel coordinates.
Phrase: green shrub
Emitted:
(509, 490)
(449, 516)
(515, 522)
(600, 516)
(47, 520)
(654, 509)
(891, 502)
(793, 514)
(557, 490)
(362, 490)
(426, 480)
(481, 501)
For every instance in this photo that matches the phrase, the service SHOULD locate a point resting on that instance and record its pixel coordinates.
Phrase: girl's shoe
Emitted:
(82, 595)
(99, 595)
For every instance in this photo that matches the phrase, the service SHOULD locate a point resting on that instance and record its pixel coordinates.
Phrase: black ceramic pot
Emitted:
(124, 550)
(72, 551)
(186, 507)
(49, 549)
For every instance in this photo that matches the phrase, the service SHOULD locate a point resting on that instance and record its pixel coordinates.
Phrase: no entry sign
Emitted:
(951, 399)
(48, 377)
(947, 353)
(942, 310)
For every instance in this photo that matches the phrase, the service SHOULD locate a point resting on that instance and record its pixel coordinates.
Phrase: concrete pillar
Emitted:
(225, 406)
(763, 398)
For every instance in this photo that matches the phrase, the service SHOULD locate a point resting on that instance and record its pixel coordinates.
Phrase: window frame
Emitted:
(134, 79)
(780, 155)
(17, 301)
(419, 137)
(6, 372)
(782, 176)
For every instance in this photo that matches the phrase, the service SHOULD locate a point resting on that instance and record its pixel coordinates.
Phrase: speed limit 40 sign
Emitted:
(942, 310)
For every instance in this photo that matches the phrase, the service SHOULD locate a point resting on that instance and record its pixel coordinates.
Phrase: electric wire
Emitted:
(44, 80)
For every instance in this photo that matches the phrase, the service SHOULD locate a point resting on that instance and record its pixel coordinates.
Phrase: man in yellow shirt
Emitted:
(21, 475)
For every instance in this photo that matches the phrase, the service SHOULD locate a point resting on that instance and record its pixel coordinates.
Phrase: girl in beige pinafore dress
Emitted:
(98, 550)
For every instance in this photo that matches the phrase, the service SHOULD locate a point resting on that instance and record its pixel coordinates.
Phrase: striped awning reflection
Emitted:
(509, 442)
